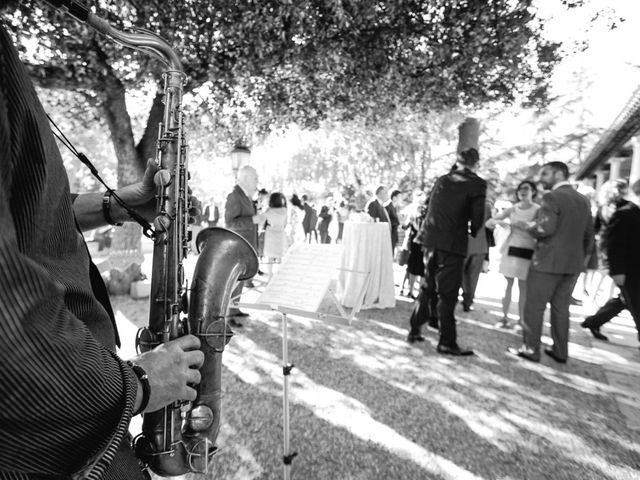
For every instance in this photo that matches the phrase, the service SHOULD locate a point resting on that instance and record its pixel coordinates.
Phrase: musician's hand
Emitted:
(172, 369)
(140, 196)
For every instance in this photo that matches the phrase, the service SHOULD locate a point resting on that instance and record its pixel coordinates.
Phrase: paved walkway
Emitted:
(619, 357)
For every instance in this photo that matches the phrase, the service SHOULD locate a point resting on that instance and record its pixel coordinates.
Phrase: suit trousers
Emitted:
(555, 289)
(629, 298)
(444, 272)
(425, 306)
(470, 275)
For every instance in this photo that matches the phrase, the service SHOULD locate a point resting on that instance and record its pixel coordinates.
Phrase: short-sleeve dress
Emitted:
(275, 237)
(516, 267)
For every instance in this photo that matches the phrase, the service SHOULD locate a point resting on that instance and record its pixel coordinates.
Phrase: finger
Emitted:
(194, 376)
(189, 393)
(194, 358)
(149, 172)
(187, 342)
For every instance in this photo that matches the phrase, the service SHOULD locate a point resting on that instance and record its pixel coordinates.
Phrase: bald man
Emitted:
(238, 216)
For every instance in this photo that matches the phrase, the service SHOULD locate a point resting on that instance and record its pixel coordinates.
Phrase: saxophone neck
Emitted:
(143, 40)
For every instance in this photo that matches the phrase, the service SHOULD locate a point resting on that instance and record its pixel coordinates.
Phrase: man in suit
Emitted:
(392, 213)
(375, 206)
(621, 243)
(456, 207)
(238, 216)
(564, 232)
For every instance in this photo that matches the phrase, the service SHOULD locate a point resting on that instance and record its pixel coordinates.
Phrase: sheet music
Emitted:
(303, 277)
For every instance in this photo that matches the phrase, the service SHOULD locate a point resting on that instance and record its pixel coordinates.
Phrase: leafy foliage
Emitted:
(261, 65)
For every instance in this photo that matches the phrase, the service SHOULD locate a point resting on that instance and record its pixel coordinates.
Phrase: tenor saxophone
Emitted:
(180, 437)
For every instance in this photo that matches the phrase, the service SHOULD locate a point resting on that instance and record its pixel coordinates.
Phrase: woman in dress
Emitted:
(518, 246)
(275, 238)
(415, 262)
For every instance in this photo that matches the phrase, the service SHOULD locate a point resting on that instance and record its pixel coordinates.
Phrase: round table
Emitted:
(366, 274)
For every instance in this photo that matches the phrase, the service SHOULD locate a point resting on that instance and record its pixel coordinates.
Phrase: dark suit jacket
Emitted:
(376, 210)
(622, 241)
(456, 208)
(310, 220)
(238, 215)
(564, 232)
(394, 221)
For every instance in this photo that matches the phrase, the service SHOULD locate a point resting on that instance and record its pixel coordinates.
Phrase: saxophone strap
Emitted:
(147, 229)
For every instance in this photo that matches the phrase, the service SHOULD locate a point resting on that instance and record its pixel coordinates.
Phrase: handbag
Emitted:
(520, 252)
(403, 256)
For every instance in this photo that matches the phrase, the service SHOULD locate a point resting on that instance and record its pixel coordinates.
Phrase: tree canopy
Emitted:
(257, 65)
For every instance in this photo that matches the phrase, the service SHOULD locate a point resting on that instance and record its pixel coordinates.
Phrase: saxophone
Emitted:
(180, 437)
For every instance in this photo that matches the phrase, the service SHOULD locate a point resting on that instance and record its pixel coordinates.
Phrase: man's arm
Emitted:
(232, 209)
(588, 237)
(616, 234)
(546, 221)
(139, 196)
(478, 209)
(371, 210)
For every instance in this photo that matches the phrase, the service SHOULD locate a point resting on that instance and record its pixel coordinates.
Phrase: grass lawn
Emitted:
(364, 404)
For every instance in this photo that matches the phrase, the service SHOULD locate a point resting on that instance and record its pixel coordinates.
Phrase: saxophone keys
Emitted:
(200, 418)
(162, 223)
(162, 178)
(146, 340)
(200, 455)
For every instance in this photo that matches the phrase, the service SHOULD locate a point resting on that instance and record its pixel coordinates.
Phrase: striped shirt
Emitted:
(66, 399)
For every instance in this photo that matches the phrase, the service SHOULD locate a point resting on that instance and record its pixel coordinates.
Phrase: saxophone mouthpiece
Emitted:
(72, 7)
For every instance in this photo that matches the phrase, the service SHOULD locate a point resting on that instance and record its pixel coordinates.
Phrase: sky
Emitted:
(612, 61)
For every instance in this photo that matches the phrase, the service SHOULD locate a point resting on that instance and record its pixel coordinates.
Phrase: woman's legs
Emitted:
(506, 301)
(522, 287)
(404, 281)
(412, 282)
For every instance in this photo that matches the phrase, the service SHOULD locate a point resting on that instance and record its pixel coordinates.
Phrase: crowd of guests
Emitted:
(443, 238)
(553, 238)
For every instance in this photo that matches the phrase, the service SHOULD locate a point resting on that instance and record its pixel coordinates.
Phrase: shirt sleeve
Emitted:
(65, 399)
(478, 210)
(546, 218)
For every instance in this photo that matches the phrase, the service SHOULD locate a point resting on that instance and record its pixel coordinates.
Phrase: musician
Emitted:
(66, 398)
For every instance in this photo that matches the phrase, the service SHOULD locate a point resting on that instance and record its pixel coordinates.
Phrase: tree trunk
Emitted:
(126, 251)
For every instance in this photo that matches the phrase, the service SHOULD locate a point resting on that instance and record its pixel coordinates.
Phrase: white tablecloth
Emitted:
(367, 249)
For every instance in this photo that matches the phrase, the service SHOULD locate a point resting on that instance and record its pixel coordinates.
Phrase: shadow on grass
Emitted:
(367, 405)
(486, 417)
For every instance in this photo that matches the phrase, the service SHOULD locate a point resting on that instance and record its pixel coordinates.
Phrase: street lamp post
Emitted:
(240, 156)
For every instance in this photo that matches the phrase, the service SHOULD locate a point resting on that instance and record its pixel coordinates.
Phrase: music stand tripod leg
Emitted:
(286, 371)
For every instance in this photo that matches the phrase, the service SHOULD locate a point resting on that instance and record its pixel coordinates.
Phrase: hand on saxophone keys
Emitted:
(172, 369)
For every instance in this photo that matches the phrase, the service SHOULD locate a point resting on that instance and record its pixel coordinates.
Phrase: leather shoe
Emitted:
(234, 323)
(239, 314)
(415, 338)
(467, 308)
(455, 350)
(552, 354)
(523, 352)
(595, 331)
